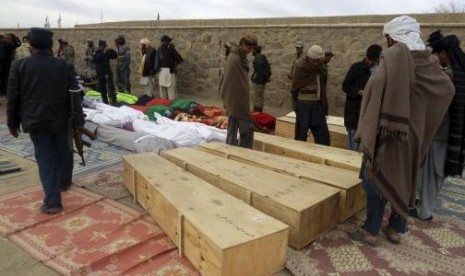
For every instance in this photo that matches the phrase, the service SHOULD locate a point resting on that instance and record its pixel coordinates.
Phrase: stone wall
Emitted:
(201, 42)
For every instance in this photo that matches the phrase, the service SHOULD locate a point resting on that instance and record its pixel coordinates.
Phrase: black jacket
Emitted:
(169, 57)
(38, 96)
(355, 80)
(150, 54)
(262, 70)
(102, 61)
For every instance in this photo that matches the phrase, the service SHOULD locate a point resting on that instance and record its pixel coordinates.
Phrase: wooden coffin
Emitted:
(308, 207)
(219, 234)
(352, 196)
(331, 156)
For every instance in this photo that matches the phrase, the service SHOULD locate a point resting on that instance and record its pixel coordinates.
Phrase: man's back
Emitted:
(235, 88)
(101, 59)
(262, 69)
(41, 95)
(404, 103)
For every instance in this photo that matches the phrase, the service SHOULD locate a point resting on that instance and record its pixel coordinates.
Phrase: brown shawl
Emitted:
(235, 85)
(404, 103)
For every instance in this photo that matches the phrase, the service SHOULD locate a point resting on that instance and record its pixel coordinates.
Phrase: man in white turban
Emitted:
(146, 67)
(312, 104)
(406, 30)
(403, 105)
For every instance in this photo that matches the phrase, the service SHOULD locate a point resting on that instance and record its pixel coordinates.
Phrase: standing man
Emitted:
(235, 92)
(148, 60)
(123, 65)
(403, 105)
(260, 77)
(353, 85)
(299, 50)
(446, 153)
(167, 60)
(105, 84)
(66, 51)
(39, 101)
(312, 104)
(90, 74)
(8, 45)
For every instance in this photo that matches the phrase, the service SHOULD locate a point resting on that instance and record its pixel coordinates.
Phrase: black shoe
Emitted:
(67, 187)
(50, 210)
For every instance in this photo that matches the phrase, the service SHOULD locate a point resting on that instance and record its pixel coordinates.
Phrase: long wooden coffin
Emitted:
(308, 207)
(331, 156)
(352, 196)
(219, 234)
(285, 127)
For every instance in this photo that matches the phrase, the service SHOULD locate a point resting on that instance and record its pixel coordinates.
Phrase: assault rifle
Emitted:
(76, 123)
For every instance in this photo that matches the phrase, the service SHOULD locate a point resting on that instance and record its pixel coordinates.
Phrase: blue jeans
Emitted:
(351, 143)
(375, 211)
(54, 158)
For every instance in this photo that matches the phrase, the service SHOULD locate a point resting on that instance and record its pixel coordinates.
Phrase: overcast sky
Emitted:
(29, 13)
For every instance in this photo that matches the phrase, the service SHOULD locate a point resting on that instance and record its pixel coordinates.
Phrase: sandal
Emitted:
(392, 236)
(362, 236)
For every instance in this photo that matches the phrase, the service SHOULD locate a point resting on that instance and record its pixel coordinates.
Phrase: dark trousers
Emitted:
(105, 84)
(352, 144)
(246, 130)
(54, 158)
(375, 211)
(123, 81)
(311, 116)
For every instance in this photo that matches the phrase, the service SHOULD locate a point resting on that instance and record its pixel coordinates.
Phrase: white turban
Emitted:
(405, 29)
(315, 52)
(145, 41)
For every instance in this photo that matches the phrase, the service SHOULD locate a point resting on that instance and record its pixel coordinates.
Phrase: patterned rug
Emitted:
(429, 248)
(451, 202)
(454, 185)
(94, 235)
(99, 155)
(108, 182)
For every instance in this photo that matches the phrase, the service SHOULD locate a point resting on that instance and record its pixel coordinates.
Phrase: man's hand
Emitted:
(360, 92)
(14, 132)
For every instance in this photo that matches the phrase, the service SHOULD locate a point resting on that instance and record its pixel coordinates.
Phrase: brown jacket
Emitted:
(403, 106)
(305, 73)
(235, 86)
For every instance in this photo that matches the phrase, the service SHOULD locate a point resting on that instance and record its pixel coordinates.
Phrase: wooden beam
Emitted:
(219, 234)
(308, 207)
